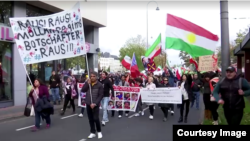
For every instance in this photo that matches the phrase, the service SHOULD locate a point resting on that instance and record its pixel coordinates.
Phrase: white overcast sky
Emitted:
(128, 19)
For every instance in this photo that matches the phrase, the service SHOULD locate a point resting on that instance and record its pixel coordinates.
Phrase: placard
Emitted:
(126, 98)
(161, 95)
(207, 63)
(52, 37)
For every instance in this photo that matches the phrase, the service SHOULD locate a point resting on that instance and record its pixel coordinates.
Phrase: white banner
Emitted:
(51, 37)
(161, 95)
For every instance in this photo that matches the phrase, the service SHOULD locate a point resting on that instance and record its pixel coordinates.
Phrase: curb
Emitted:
(18, 115)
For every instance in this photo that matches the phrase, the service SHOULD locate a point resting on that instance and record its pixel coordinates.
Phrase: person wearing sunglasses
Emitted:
(165, 107)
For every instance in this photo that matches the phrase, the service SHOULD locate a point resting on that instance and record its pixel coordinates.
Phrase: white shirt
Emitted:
(183, 91)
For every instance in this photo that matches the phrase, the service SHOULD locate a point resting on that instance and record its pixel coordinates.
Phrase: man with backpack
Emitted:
(232, 90)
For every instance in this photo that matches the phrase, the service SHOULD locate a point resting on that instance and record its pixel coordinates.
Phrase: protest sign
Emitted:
(207, 63)
(126, 98)
(52, 37)
(161, 95)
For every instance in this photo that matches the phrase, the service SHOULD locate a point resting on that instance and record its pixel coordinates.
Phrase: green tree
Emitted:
(239, 38)
(108, 70)
(186, 57)
(79, 60)
(134, 45)
(161, 59)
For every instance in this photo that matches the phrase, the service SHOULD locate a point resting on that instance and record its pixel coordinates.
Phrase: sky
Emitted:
(128, 19)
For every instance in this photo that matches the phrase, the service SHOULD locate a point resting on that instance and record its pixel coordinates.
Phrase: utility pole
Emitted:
(225, 47)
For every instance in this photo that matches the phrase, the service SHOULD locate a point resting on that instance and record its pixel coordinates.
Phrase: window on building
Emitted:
(5, 71)
(5, 12)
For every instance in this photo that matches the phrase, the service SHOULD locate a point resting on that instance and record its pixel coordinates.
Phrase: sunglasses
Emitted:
(165, 80)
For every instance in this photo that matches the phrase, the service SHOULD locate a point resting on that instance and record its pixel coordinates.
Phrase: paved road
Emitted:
(71, 128)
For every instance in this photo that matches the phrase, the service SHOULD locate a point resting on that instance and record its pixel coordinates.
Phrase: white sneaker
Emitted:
(80, 115)
(172, 112)
(142, 113)
(61, 109)
(119, 116)
(103, 123)
(154, 107)
(99, 134)
(151, 117)
(126, 115)
(91, 136)
(137, 115)
(215, 123)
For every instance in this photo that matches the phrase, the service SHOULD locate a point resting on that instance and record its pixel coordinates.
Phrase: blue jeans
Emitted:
(38, 119)
(105, 101)
(196, 99)
(55, 94)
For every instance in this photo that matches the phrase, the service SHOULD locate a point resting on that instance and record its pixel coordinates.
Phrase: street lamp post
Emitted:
(157, 8)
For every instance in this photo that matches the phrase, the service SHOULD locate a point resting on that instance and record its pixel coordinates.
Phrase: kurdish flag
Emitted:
(155, 49)
(189, 37)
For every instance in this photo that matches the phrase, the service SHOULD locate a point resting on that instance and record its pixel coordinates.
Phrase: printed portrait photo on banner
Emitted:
(126, 105)
(126, 96)
(134, 97)
(118, 104)
(111, 105)
(119, 95)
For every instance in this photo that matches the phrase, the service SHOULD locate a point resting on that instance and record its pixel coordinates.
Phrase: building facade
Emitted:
(110, 61)
(13, 75)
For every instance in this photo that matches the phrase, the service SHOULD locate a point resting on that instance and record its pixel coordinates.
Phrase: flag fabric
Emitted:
(189, 37)
(159, 68)
(192, 61)
(155, 49)
(134, 68)
(151, 67)
(126, 62)
(178, 76)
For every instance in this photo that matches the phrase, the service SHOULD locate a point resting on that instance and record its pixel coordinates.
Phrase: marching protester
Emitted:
(54, 84)
(206, 95)
(82, 80)
(123, 83)
(94, 95)
(151, 85)
(165, 107)
(232, 90)
(70, 90)
(107, 86)
(40, 100)
(139, 109)
(187, 95)
(197, 84)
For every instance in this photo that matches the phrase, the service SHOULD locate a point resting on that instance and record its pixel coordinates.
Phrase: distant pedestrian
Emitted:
(54, 84)
(94, 95)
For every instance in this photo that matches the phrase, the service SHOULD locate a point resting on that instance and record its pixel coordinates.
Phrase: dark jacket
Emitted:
(96, 92)
(43, 105)
(43, 91)
(164, 104)
(107, 86)
(54, 81)
(229, 92)
(187, 87)
(197, 82)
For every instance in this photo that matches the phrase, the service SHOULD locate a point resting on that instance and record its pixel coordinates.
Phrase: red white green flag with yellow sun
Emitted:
(189, 37)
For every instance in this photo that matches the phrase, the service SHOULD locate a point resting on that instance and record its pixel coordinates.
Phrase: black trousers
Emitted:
(233, 116)
(151, 109)
(206, 100)
(165, 111)
(213, 108)
(187, 103)
(94, 122)
(171, 106)
(67, 100)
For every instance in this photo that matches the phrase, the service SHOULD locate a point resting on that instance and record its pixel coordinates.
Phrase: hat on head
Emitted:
(230, 68)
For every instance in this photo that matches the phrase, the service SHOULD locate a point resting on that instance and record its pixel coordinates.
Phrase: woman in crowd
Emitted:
(206, 95)
(70, 90)
(150, 85)
(83, 80)
(187, 95)
(40, 100)
(213, 104)
(165, 107)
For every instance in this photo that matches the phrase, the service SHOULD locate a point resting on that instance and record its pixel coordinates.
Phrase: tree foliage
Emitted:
(239, 38)
(161, 59)
(186, 57)
(72, 62)
(134, 45)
